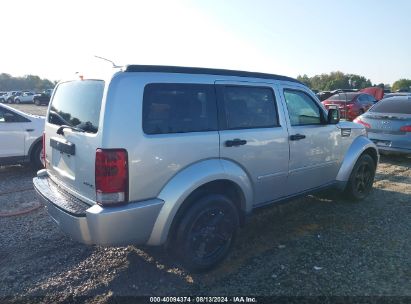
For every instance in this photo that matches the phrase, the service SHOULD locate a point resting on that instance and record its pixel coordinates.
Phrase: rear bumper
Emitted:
(122, 225)
(391, 143)
(394, 150)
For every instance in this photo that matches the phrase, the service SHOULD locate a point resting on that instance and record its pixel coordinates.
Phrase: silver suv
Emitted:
(181, 156)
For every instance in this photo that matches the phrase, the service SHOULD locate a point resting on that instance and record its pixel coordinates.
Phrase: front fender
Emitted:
(358, 146)
(191, 178)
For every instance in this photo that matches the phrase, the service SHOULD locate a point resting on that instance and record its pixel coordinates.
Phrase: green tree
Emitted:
(335, 80)
(28, 82)
(401, 84)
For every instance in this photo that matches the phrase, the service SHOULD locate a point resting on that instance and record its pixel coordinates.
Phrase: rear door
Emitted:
(73, 135)
(253, 134)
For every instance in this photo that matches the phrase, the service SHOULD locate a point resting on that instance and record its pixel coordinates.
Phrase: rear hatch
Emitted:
(72, 136)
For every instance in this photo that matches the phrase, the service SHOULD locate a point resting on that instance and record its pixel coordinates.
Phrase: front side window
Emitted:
(302, 109)
(77, 104)
(8, 116)
(249, 107)
(179, 108)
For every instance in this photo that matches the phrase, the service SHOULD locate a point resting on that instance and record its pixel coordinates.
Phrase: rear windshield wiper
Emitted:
(60, 130)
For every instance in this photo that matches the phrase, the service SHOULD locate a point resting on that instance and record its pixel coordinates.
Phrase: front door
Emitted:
(253, 135)
(313, 143)
(12, 133)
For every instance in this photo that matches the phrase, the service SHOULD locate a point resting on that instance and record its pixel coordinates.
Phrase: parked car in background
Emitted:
(388, 124)
(323, 95)
(209, 146)
(24, 97)
(351, 104)
(20, 137)
(2, 95)
(9, 97)
(43, 98)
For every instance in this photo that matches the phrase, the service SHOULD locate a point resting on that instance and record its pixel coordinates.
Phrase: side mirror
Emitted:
(333, 116)
(8, 117)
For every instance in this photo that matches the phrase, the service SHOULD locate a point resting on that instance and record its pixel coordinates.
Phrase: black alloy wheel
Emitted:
(206, 232)
(362, 177)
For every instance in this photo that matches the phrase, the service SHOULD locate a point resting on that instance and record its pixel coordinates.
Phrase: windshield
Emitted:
(77, 104)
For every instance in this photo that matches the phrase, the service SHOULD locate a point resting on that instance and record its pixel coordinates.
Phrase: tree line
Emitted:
(339, 80)
(28, 82)
(323, 82)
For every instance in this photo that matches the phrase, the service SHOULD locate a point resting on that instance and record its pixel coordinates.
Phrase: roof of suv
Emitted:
(191, 70)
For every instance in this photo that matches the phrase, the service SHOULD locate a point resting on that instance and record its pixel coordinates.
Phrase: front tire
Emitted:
(36, 102)
(361, 178)
(206, 232)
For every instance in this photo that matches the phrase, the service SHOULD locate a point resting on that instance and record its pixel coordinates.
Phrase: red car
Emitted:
(350, 104)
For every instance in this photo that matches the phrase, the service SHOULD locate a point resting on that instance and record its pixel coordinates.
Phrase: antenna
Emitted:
(112, 62)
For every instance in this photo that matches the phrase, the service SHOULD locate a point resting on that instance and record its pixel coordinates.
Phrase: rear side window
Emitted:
(77, 104)
(179, 108)
(248, 107)
(393, 105)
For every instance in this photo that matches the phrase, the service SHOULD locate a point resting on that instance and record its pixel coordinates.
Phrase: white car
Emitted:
(25, 97)
(20, 137)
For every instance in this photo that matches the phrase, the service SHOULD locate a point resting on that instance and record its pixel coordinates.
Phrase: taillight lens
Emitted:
(111, 176)
(366, 125)
(405, 129)
(43, 152)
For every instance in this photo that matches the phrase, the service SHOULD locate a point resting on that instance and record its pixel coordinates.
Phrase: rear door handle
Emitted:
(297, 137)
(235, 142)
(29, 130)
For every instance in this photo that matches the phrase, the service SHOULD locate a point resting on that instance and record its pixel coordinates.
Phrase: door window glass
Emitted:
(249, 107)
(302, 109)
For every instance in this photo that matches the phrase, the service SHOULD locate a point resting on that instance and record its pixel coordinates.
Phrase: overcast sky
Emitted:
(54, 39)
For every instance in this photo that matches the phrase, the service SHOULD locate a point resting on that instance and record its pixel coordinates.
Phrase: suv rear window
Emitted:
(393, 105)
(77, 104)
(179, 108)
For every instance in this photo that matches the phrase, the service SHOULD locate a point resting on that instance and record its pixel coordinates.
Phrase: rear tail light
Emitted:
(111, 176)
(359, 121)
(405, 129)
(43, 152)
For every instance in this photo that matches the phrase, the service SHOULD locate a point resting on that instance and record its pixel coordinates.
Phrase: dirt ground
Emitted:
(319, 245)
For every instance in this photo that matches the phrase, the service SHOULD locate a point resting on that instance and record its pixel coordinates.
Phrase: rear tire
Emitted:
(206, 232)
(17, 101)
(361, 179)
(36, 157)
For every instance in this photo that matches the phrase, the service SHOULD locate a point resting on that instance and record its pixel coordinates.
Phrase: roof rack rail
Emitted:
(193, 70)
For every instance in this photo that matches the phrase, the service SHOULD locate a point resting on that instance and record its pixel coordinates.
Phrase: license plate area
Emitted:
(62, 158)
(63, 146)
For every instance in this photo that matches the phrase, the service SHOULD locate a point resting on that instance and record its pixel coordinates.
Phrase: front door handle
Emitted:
(235, 142)
(297, 137)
